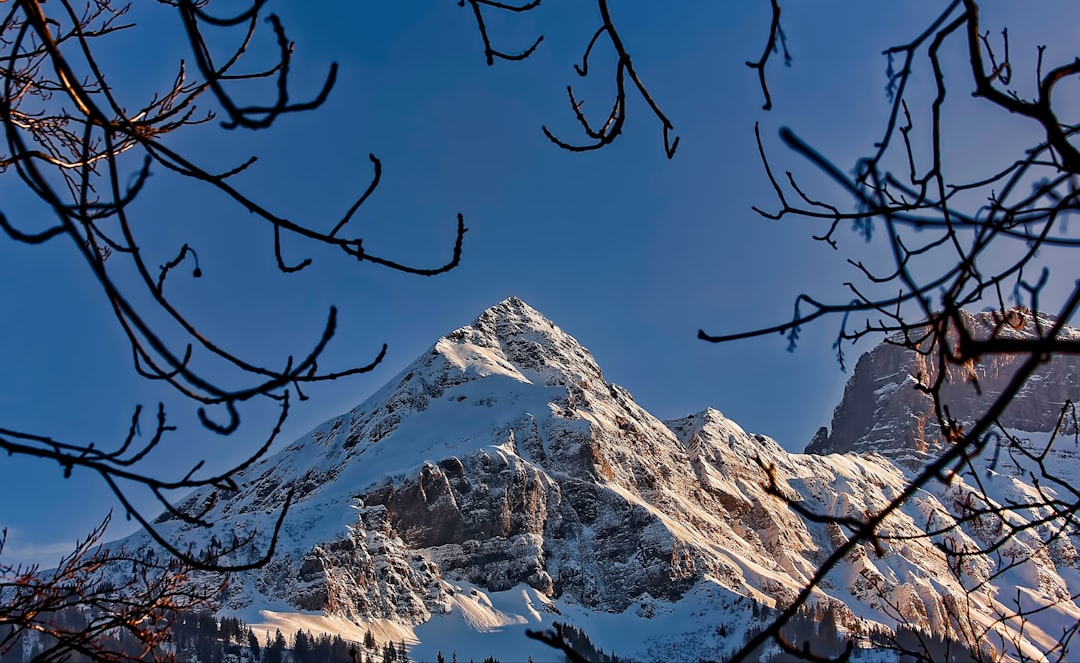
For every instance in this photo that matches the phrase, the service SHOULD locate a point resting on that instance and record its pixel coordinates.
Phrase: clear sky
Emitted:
(629, 252)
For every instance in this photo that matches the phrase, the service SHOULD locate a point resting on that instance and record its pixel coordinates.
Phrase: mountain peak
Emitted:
(515, 333)
(513, 317)
(499, 483)
(512, 314)
(883, 411)
(512, 305)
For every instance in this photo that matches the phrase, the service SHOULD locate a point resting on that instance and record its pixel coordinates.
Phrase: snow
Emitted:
(517, 393)
(384, 630)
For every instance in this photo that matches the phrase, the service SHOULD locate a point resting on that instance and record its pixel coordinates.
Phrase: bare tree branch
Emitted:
(71, 140)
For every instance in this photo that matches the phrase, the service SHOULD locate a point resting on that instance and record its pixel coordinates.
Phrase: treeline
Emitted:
(200, 638)
(581, 644)
(815, 628)
(197, 636)
(28, 645)
(818, 629)
(914, 646)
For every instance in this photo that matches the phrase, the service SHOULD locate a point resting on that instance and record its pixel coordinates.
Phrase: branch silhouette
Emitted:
(944, 259)
(71, 141)
(612, 125)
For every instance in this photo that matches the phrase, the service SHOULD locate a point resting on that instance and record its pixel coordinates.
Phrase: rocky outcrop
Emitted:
(882, 411)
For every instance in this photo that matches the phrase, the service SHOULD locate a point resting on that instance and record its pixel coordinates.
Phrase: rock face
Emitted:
(881, 411)
(502, 459)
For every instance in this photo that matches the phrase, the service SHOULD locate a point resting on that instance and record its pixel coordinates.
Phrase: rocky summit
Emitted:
(882, 411)
(501, 483)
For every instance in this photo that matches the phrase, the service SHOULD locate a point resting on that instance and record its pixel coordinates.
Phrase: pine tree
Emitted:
(342, 651)
(439, 657)
(321, 648)
(828, 630)
(253, 645)
(301, 647)
(274, 653)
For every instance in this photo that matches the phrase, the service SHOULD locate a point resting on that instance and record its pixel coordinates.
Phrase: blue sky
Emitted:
(629, 252)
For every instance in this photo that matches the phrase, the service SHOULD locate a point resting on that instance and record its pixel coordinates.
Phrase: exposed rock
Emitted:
(882, 411)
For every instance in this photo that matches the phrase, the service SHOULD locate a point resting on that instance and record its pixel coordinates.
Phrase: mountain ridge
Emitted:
(500, 466)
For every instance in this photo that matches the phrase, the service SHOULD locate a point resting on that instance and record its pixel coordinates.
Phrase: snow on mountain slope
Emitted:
(499, 483)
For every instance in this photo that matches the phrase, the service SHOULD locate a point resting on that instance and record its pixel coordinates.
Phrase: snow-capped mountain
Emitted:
(501, 483)
(882, 411)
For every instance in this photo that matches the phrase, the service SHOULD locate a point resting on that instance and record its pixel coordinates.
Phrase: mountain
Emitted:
(881, 411)
(501, 483)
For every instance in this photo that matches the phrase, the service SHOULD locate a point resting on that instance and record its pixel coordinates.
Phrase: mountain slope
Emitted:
(500, 482)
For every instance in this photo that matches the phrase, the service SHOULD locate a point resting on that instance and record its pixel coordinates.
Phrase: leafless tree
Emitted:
(74, 145)
(87, 153)
(99, 604)
(625, 76)
(945, 226)
(946, 231)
